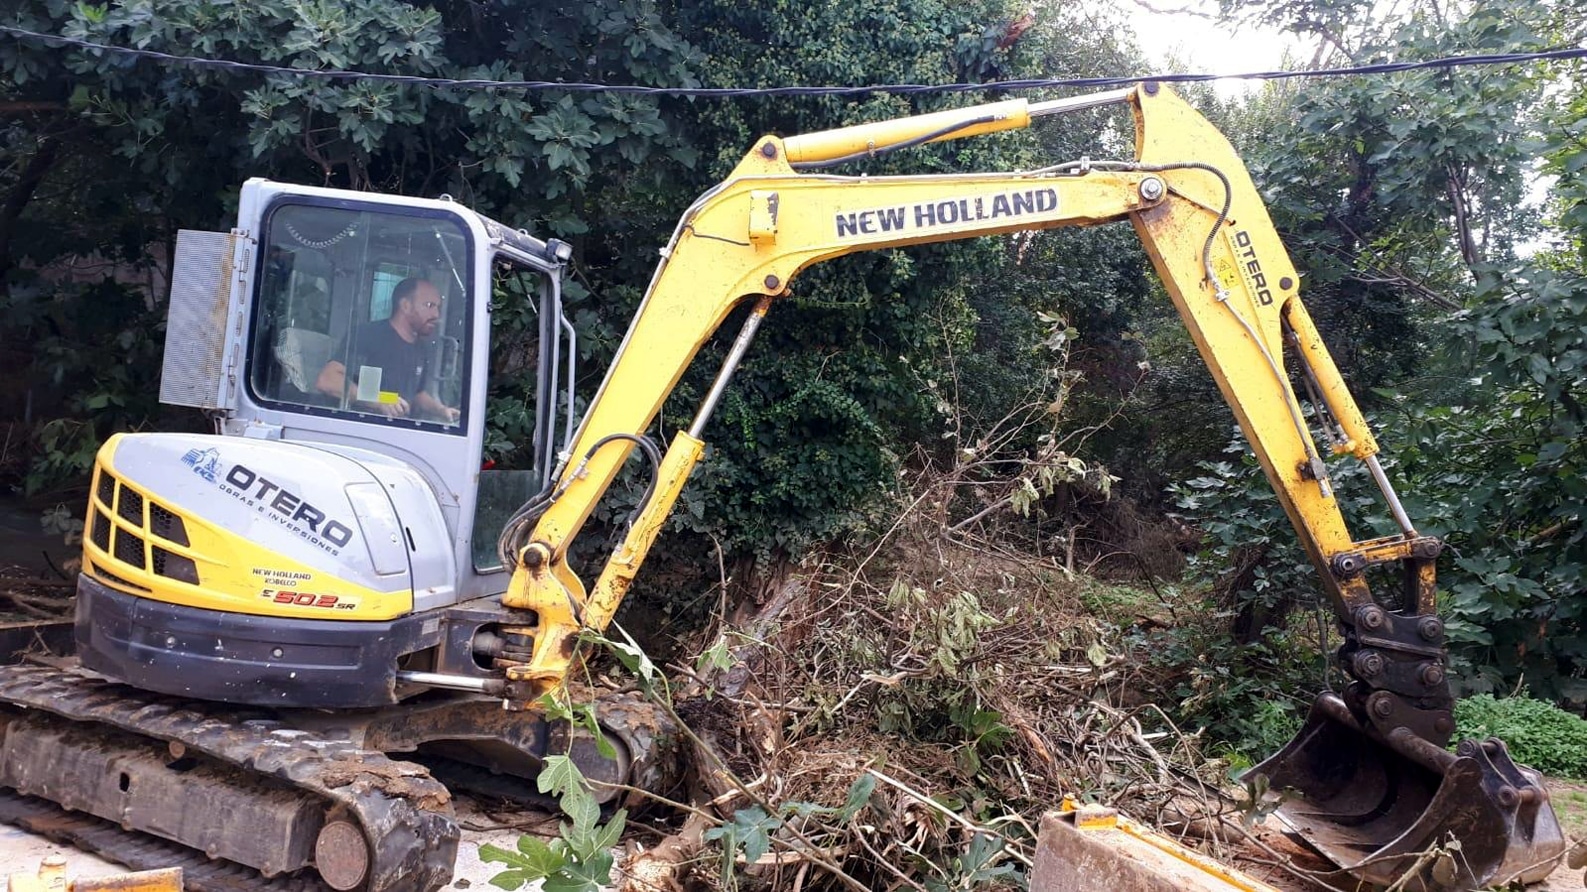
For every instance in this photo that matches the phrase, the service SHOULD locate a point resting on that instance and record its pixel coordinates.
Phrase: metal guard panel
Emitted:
(195, 332)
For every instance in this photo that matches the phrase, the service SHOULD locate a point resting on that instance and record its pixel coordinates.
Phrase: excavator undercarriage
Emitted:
(274, 797)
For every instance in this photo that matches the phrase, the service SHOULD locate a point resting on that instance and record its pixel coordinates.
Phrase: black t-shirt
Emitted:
(402, 365)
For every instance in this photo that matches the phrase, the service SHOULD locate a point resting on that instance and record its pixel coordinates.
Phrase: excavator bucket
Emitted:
(1408, 811)
(1092, 847)
(51, 877)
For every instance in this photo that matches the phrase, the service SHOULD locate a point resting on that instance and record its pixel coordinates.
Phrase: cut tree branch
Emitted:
(1387, 275)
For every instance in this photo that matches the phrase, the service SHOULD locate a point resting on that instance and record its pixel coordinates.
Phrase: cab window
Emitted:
(519, 380)
(363, 313)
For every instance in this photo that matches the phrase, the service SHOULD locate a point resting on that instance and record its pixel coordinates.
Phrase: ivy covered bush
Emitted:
(1539, 734)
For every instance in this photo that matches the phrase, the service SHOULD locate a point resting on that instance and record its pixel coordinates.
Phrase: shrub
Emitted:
(1538, 733)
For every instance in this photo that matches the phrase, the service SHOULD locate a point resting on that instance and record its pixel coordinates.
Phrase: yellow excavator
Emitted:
(267, 616)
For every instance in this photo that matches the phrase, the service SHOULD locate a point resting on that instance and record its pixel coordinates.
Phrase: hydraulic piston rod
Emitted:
(1010, 114)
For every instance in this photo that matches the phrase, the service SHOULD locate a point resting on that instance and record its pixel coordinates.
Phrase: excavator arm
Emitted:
(1376, 785)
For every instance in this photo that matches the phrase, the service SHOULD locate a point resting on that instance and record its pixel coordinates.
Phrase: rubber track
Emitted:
(476, 781)
(140, 851)
(405, 813)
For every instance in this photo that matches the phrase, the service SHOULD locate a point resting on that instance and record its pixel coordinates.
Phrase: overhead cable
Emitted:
(734, 92)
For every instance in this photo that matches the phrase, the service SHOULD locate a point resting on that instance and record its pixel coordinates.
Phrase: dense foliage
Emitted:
(812, 430)
(1538, 733)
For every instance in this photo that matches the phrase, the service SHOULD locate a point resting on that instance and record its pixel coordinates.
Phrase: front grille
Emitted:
(108, 576)
(132, 546)
(175, 566)
(166, 525)
(101, 532)
(129, 548)
(131, 507)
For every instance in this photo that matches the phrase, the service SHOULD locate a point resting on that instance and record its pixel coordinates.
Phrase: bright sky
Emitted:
(1176, 41)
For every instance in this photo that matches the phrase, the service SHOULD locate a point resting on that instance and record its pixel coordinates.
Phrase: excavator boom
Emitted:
(1374, 786)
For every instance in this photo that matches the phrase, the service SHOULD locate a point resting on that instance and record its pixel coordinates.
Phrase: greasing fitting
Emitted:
(1371, 617)
(1432, 674)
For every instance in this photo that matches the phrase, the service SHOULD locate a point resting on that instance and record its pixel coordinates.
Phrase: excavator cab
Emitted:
(361, 326)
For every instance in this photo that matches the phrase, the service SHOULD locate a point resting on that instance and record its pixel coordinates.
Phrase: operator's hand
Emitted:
(428, 407)
(398, 409)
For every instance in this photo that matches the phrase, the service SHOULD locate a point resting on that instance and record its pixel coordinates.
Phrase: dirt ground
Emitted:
(1570, 804)
(22, 851)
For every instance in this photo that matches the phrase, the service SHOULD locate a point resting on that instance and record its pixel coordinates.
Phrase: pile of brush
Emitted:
(901, 714)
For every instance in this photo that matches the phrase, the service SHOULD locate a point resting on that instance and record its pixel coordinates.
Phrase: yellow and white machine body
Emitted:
(317, 543)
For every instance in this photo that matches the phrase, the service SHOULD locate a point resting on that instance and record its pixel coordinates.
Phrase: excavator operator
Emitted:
(391, 357)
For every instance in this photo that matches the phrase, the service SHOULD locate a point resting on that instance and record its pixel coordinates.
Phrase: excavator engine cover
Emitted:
(1408, 810)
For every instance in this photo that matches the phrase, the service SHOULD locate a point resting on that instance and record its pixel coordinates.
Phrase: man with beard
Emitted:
(395, 350)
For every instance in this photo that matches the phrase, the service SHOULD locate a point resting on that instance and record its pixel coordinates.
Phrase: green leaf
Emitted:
(559, 777)
(558, 156)
(750, 829)
(512, 879)
(716, 657)
(585, 877)
(612, 832)
(540, 856)
(533, 860)
(1552, 451)
(634, 659)
(859, 794)
(491, 854)
(582, 809)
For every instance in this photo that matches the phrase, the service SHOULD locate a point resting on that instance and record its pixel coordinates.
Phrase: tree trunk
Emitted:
(16, 201)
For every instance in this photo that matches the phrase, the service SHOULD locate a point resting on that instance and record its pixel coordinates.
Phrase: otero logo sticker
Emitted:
(268, 497)
(202, 462)
(291, 511)
(1009, 205)
(1250, 266)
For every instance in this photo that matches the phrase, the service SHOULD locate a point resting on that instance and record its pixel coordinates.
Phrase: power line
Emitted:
(733, 92)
